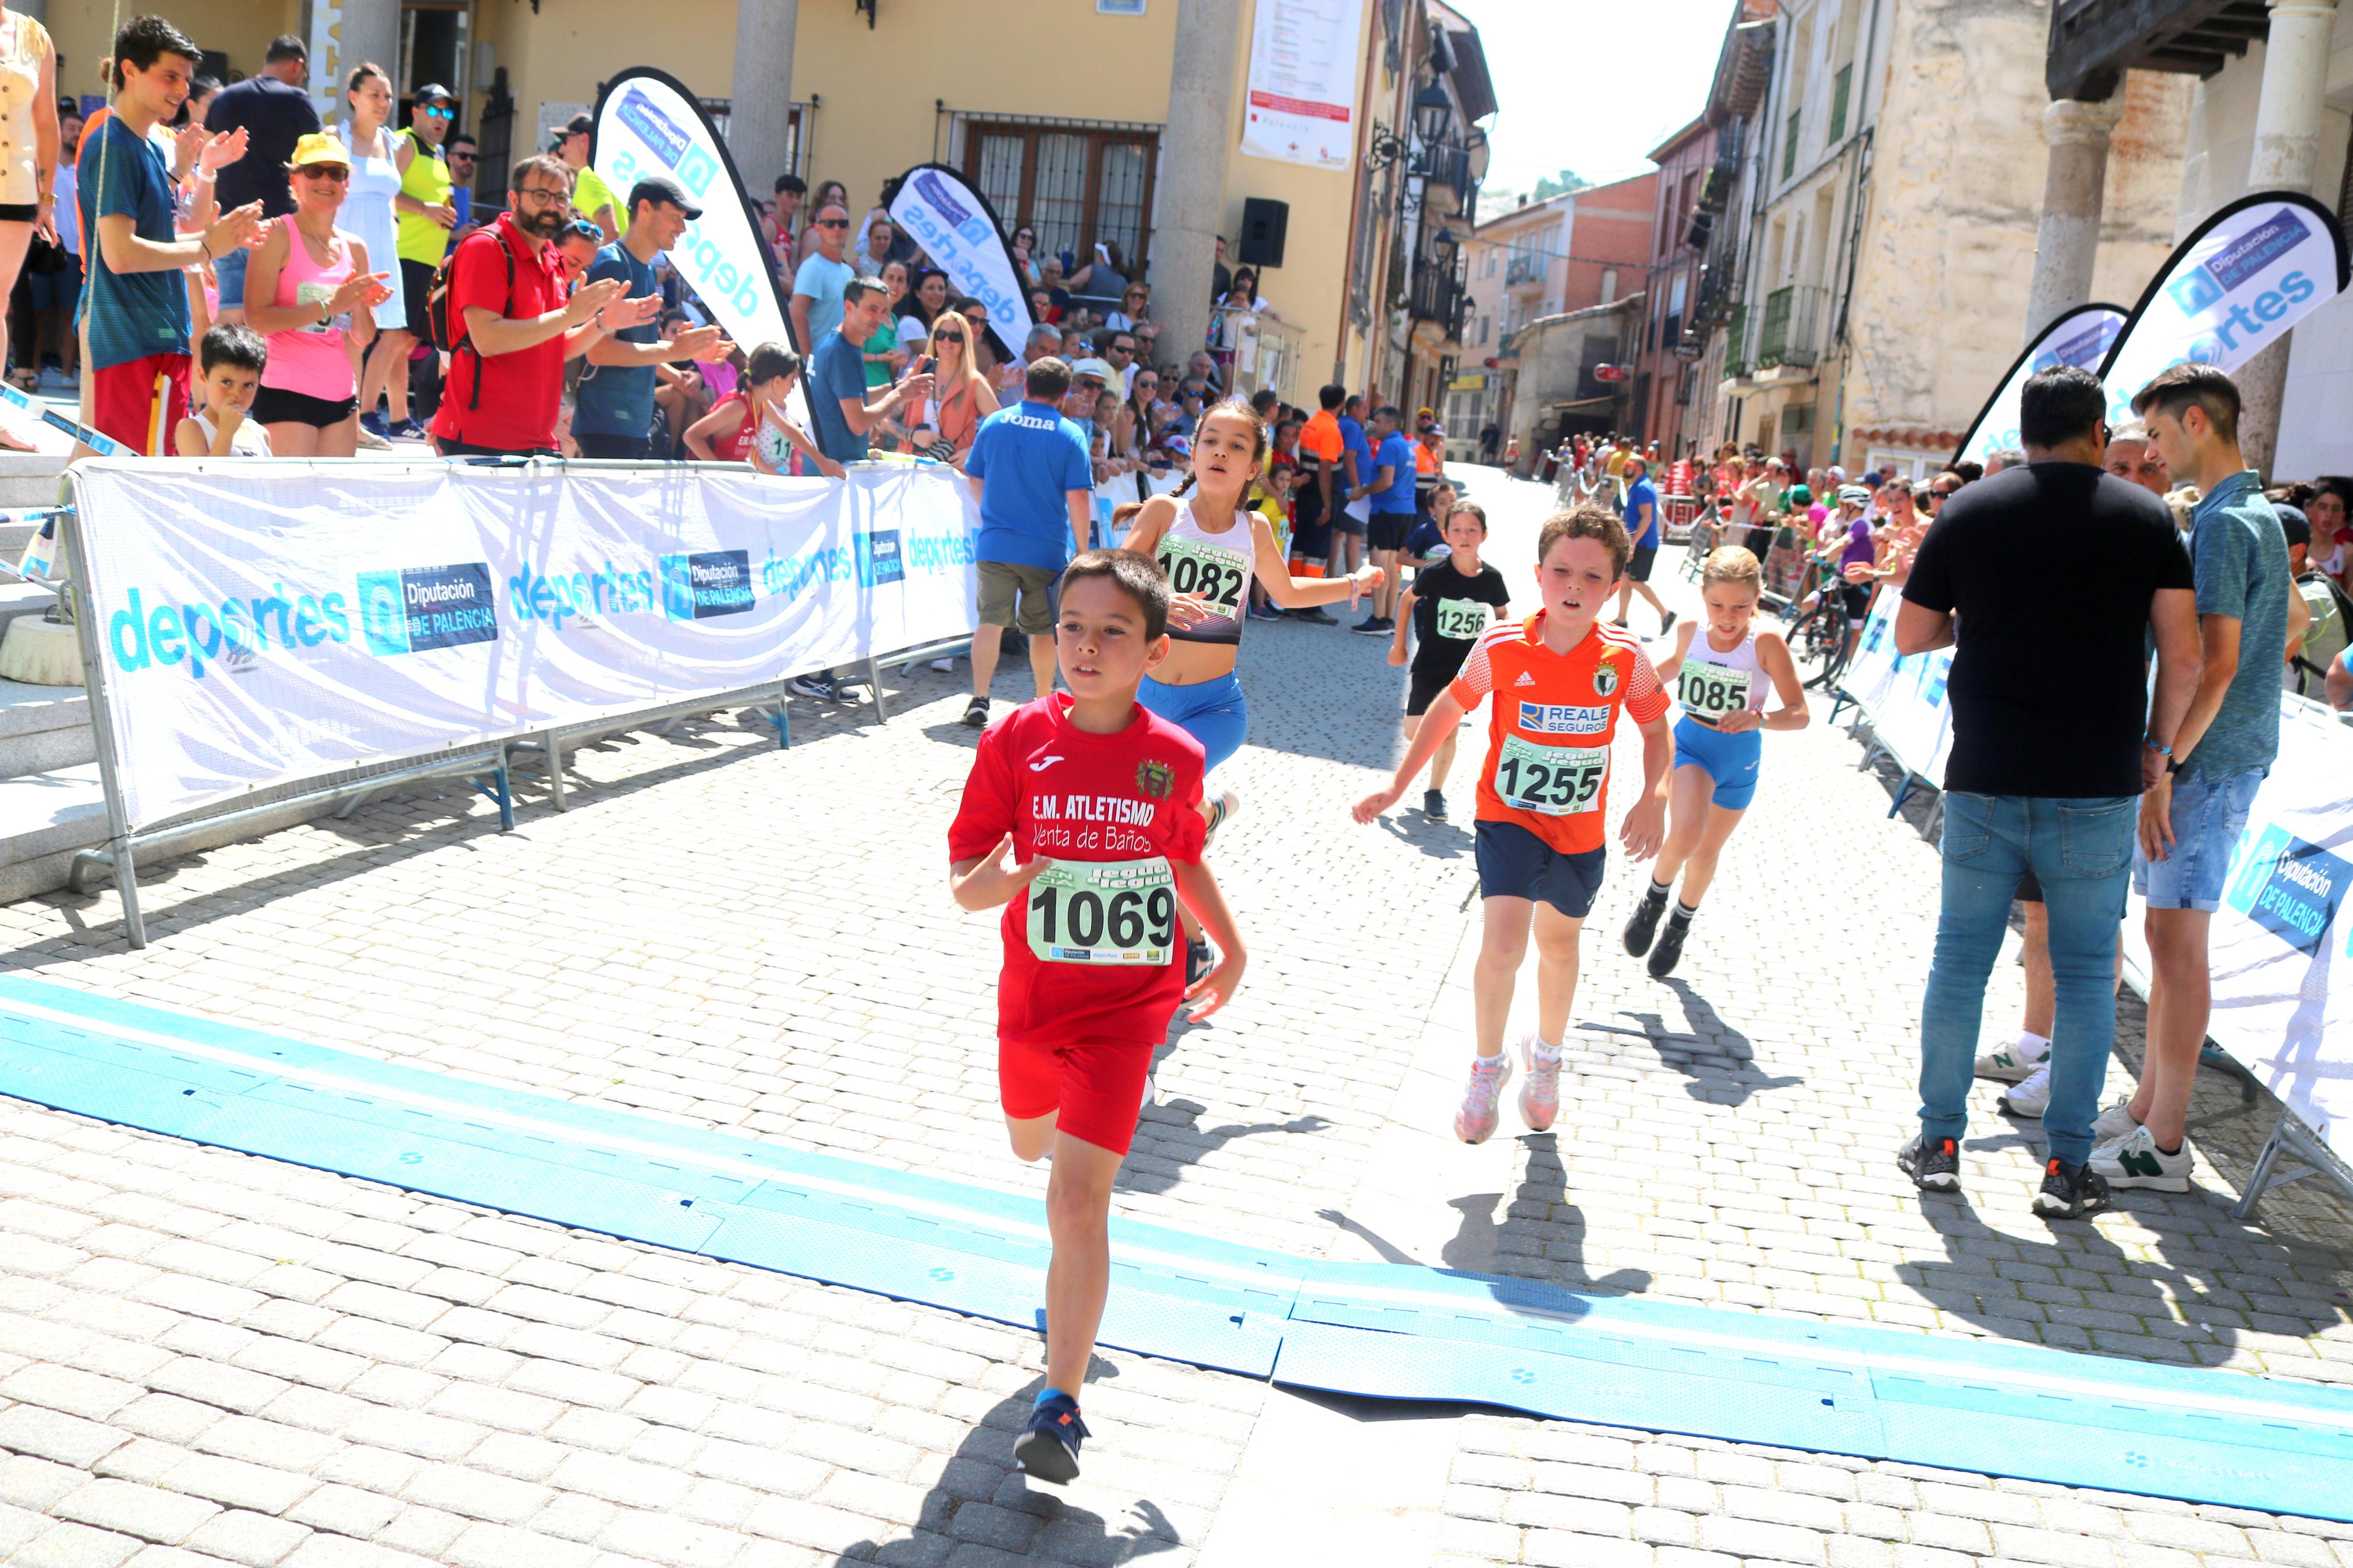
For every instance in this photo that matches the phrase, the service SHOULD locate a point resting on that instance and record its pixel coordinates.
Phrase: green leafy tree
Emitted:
(1559, 184)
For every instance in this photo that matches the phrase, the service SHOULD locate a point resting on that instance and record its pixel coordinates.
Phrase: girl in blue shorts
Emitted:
(1719, 669)
(1212, 549)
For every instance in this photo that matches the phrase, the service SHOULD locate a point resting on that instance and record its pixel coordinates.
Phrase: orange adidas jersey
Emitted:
(1549, 730)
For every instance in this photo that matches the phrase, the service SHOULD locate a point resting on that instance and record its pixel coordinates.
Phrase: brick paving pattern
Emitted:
(208, 1357)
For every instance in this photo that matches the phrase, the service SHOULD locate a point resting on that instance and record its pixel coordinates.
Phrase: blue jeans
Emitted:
(2080, 851)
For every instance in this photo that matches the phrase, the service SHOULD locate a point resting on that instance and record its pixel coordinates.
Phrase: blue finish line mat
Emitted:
(1392, 1331)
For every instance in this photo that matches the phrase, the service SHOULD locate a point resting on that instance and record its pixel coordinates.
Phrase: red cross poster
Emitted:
(1302, 82)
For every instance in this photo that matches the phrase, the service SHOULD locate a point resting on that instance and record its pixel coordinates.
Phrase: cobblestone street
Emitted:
(207, 1357)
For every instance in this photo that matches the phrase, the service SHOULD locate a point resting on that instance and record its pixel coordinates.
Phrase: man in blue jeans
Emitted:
(2045, 579)
(2193, 813)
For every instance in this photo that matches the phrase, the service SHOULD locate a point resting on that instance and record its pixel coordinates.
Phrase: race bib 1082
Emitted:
(1104, 911)
(1551, 781)
(1216, 575)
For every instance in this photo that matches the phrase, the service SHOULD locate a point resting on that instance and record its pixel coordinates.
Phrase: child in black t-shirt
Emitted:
(1446, 607)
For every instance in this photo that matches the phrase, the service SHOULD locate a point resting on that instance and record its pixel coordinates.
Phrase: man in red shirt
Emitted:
(514, 325)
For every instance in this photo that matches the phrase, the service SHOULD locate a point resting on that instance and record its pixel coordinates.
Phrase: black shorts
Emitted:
(2030, 888)
(1426, 684)
(1637, 569)
(637, 449)
(1857, 599)
(1311, 542)
(276, 406)
(18, 211)
(1515, 864)
(1388, 529)
(416, 291)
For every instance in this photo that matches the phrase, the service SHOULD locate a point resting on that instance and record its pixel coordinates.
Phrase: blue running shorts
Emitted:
(1730, 760)
(1212, 712)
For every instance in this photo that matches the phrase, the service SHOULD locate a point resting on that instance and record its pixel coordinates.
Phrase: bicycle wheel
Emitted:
(1817, 637)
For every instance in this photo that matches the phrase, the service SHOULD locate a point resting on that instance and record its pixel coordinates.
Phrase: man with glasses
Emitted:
(426, 215)
(515, 326)
(458, 149)
(274, 112)
(819, 286)
(1118, 347)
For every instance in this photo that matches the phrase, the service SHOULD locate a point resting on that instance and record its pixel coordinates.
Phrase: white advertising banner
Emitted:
(2080, 337)
(958, 230)
(1302, 103)
(647, 123)
(260, 622)
(2230, 291)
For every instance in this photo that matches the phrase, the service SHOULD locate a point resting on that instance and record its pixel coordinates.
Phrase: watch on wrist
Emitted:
(2172, 766)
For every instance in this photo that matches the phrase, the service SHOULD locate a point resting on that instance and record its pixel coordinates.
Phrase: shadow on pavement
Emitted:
(1716, 1058)
(982, 1509)
(1169, 1137)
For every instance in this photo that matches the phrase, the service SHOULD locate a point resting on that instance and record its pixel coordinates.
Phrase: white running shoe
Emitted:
(2115, 1123)
(1221, 811)
(2136, 1161)
(1540, 1095)
(2030, 1099)
(1475, 1121)
(2013, 1062)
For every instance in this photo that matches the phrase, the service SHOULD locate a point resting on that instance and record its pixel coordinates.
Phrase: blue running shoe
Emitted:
(373, 422)
(1048, 1447)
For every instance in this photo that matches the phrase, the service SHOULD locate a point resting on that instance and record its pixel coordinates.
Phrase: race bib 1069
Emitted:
(1461, 619)
(1216, 575)
(1711, 690)
(1104, 911)
(1551, 781)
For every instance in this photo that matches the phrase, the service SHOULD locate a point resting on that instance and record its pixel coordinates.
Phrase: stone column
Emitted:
(759, 129)
(2287, 156)
(2067, 239)
(369, 32)
(1193, 151)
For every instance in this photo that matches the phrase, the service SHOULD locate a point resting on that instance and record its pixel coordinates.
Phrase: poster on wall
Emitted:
(1302, 96)
(2080, 337)
(2235, 287)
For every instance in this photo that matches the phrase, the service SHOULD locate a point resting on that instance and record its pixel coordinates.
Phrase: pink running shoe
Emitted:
(1476, 1120)
(1540, 1096)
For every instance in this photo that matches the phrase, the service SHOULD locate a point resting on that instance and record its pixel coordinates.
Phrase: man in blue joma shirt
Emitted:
(1030, 468)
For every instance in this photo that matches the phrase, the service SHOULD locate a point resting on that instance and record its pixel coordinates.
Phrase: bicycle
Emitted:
(1820, 632)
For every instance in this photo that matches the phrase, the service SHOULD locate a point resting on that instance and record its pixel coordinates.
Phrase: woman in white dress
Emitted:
(378, 162)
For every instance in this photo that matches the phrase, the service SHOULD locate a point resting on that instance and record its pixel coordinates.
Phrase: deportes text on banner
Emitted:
(2081, 337)
(958, 230)
(260, 623)
(2231, 290)
(1303, 81)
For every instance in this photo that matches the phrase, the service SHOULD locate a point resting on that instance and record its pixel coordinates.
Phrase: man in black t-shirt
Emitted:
(2046, 579)
(275, 113)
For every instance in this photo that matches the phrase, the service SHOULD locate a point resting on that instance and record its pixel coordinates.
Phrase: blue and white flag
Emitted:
(2080, 337)
(2230, 291)
(649, 123)
(958, 230)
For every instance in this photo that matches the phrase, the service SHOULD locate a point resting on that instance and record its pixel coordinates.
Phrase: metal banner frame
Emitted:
(484, 766)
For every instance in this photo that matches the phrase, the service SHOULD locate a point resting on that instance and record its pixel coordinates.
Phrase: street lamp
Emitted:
(1431, 110)
(1383, 147)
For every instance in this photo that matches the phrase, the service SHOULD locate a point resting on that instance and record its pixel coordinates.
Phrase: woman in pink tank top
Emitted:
(309, 292)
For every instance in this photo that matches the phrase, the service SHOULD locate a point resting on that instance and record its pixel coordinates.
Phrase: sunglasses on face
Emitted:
(831, 223)
(327, 171)
(947, 337)
(461, 157)
(438, 113)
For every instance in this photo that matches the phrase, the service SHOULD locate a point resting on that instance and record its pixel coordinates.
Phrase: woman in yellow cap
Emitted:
(311, 289)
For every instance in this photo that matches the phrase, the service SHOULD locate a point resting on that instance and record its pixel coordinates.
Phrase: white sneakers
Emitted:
(2015, 1059)
(2136, 1161)
(1475, 1121)
(2030, 1099)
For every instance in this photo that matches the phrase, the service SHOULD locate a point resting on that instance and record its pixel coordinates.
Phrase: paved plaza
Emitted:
(207, 1357)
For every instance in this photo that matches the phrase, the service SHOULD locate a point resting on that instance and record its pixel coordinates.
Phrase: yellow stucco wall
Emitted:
(240, 29)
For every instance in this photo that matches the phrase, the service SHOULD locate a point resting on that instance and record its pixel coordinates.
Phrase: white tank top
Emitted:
(1217, 566)
(1711, 684)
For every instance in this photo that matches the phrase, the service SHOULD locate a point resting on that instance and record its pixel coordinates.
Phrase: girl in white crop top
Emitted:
(1720, 666)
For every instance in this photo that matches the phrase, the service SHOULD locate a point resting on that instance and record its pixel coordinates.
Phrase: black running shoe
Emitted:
(1645, 923)
(1433, 804)
(1934, 1167)
(1669, 951)
(1316, 615)
(975, 713)
(2070, 1191)
(1048, 1447)
(1198, 961)
(1667, 625)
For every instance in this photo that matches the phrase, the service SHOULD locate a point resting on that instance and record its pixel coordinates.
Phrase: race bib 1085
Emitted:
(1711, 690)
(1104, 911)
(1551, 781)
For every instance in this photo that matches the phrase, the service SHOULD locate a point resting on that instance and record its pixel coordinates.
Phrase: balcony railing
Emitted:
(1792, 329)
(1521, 269)
(1437, 295)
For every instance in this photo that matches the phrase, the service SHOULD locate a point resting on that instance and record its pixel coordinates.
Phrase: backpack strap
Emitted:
(465, 336)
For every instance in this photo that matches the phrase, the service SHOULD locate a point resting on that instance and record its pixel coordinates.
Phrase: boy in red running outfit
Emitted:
(1559, 680)
(1100, 800)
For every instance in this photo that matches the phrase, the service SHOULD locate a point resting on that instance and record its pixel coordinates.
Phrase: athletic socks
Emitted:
(1046, 1393)
(1545, 1051)
(1682, 913)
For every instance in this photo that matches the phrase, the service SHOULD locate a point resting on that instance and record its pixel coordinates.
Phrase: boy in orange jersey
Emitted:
(1559, 679)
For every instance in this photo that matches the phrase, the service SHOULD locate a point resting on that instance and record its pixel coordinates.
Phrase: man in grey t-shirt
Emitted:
(2210, 768)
